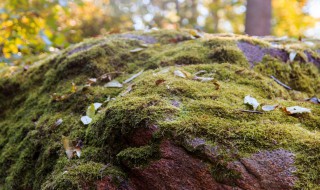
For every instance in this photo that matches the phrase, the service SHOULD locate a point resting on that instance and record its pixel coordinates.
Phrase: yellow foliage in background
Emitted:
(289, 18)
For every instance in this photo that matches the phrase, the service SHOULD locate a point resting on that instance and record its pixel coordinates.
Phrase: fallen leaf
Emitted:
(105, 77)
(292, 55)
(251, 101)
(200, 72)
(163, 71)
(136, 50)
(73, 88)
(91, 111)
(216, 84)
(133, 77)
(91, 81)
(160, 81)
(108, 99)
(78, 148)
(97, 105)
(179, 74)
(114, 84)
(86, 120)
(58, 122)
(269, 107)
(203, 79)
(195, 33)
(314, 100)
(144, 45)
(296, 110)
(68, 149)
(58, 98)
(240, 71)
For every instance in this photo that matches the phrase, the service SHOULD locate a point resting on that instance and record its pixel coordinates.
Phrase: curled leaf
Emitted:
(179, 73)
(58, 122)
(292, 55)
(86, 120)
(251, 101)
(216, 84)
(200, 72)
(133, 77)
(73, 88)
(114, 84)
(144, 45)
(91, 111)
(97, 105)
(91, 81)
(67, 147)
(269, 107)
(297, 110)
(314, 100)
(136, 50)
(159, 81)
(203, 79)
(70, 149)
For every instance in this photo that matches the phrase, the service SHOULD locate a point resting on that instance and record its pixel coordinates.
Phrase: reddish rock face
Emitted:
(266, 170)
(141, 136)
(106, 183)
(177, 169)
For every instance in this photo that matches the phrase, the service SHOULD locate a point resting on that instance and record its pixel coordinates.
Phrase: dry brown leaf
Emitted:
(159, 81)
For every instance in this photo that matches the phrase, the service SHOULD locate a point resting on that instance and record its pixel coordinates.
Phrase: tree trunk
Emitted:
(258, 17)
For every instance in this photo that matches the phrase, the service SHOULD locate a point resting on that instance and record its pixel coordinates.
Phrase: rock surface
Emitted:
(161, 131)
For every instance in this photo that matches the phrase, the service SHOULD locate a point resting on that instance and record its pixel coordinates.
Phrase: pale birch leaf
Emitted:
(297, 109)
(269, 107)
(179, 73)
(251, 101)
(114, 84)
(86, 120)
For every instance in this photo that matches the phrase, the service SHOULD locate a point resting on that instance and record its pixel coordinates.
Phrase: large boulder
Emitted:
(172, 114)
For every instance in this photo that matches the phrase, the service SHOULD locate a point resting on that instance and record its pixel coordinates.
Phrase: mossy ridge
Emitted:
(28, 124)
(299, 76)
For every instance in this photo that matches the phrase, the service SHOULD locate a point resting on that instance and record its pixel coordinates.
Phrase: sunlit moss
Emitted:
(31, 152)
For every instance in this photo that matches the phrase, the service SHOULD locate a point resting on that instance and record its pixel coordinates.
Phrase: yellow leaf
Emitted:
(73, 88)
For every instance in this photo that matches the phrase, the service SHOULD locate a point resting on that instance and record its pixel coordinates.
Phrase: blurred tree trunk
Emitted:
(215, 16)
(258, 17)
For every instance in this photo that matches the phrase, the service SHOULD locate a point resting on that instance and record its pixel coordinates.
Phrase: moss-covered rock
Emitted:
(135, 133)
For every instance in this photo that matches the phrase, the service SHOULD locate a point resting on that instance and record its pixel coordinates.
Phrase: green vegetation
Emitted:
(32, 155)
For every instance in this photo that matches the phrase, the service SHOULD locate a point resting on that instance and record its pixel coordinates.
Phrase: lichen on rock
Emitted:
(164, 132)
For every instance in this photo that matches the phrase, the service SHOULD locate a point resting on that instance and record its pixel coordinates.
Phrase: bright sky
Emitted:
(313, 7)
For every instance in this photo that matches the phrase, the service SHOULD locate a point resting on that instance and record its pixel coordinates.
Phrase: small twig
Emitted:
(280, 83)
(252, 111)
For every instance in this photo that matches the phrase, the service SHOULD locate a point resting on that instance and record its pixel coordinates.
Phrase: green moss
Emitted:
(137, 156)
(83, 175)
(31, 152)
(228, 54)
(302, 77)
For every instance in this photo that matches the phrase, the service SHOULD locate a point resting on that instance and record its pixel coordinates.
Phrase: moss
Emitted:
(83, 175)
(31, 152)
(302, 77)
(230, 55)
(137, 156)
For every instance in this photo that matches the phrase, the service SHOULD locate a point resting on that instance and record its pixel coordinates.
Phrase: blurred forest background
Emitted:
(32, 27)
